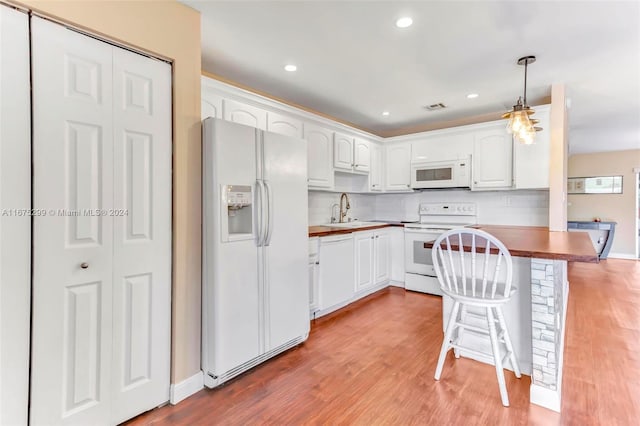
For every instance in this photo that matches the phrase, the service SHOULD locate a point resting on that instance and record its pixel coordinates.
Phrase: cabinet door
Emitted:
(382, 246)
(398, 167)
(362, 154)
(249, 115)
(531, 162)
(284, 125)
(211, 104)
(375, 174)
(319, 156)
(492, 159)
(342, 152)
(364, 259)
(313, 285)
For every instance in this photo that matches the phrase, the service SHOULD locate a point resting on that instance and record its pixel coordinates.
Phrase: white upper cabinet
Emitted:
(531, 162)
(342, 152)
(398, 167)
(492, 159)
(319, 154)
(241, 113)
(362, 154)
(375, 174)
(351, 154)
(211, 104)
(284, 125)
(443, 147)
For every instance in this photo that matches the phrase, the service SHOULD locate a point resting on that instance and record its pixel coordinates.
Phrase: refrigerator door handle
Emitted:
(259, 213)
(269, 225)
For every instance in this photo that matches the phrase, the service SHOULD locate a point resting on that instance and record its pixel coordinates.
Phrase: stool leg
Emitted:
(507, 341)
(463, 315)
(447, 339)
(496, 356)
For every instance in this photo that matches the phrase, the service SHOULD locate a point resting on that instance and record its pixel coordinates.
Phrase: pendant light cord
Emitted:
(526, 63)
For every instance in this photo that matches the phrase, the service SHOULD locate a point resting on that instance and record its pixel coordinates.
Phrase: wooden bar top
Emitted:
(324, 231)
(539, 242)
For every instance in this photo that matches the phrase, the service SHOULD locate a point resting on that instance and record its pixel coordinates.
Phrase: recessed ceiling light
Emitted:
(472, 95)
(404, 22)
(385, 113)
(290, 68)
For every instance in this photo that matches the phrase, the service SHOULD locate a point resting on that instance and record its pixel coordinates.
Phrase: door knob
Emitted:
(84, 265)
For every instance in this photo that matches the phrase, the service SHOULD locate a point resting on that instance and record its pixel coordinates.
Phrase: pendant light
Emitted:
(520, 124)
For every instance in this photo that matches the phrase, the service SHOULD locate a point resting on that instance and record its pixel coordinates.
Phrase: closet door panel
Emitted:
(72, 245)
(142, 234)
(15, 223)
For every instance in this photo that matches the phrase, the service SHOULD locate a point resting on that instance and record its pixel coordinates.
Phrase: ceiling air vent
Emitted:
(435, 107)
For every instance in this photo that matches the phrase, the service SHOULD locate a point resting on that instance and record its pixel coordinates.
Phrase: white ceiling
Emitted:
(353, 63)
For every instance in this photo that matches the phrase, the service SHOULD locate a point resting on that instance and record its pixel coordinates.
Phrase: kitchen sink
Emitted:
(354, 224)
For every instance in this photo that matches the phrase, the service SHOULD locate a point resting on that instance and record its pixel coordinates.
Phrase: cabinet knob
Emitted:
(408, 186)
(84, 265)
(317, 263)
(377, 236)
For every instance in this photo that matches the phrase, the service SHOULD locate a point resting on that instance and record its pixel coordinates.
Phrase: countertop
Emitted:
(323, 231)
(539, 242)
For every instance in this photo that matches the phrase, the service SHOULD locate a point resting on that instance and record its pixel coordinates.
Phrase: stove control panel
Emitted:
(447, 209)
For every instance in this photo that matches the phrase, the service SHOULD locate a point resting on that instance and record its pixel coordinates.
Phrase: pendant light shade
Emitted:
(520, 124)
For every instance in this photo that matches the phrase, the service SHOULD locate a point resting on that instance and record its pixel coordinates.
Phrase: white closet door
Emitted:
(72, 255)
(15, 224)
(102, 143)
(142, 238)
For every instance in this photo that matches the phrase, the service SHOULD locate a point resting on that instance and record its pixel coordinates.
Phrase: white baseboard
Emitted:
(622, 256)
(396, 283)
(186, 388)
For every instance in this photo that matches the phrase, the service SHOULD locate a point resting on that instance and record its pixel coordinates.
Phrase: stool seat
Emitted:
(480, 277)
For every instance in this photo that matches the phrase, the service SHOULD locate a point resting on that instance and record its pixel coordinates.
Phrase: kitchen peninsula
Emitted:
(540, 258)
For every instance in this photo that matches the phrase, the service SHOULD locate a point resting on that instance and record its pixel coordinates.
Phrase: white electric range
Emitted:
(435, 218)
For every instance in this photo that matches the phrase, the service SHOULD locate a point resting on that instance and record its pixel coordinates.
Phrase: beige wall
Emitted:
(620, 208)
(171, 30)
(558, 155)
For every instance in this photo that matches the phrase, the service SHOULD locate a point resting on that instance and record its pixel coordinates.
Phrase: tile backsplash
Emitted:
(494, 207)
(362, 206)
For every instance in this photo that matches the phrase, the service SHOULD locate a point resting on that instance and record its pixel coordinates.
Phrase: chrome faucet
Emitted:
(347, 207)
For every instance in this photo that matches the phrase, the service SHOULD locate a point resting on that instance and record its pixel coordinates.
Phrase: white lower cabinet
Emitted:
(314, 264)
(382, 256)
(364, 260)
(373, 260)
(350, 267)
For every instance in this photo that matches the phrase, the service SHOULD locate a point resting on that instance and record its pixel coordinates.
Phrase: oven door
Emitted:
(417, 258)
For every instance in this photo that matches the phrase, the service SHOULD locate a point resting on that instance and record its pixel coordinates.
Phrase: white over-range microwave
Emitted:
(441, 174)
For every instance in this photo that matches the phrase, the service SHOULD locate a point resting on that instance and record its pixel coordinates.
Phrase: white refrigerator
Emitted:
(255, 250)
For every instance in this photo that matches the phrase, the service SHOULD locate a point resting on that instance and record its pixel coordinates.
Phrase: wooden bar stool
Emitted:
(477, 280)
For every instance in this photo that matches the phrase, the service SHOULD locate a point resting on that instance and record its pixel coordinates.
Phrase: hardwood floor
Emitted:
(372, 363)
